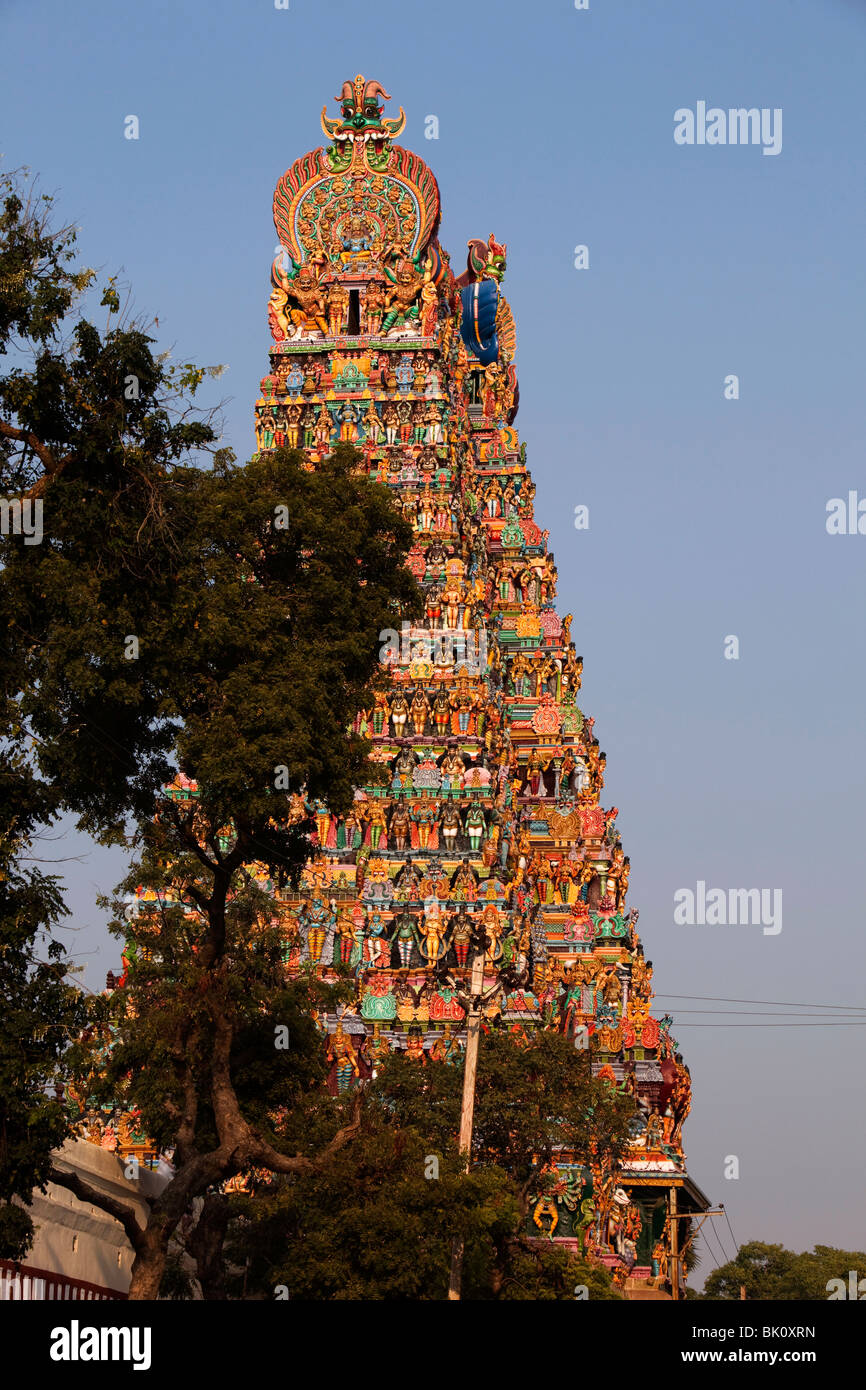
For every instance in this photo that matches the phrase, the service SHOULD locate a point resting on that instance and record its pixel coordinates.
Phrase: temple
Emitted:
(491, 812)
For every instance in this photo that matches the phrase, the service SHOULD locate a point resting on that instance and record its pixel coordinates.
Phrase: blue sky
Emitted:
(707, 515)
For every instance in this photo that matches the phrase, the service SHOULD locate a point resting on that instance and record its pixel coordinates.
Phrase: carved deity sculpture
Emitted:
(297, 300)
(407, 282)
(342, 1051)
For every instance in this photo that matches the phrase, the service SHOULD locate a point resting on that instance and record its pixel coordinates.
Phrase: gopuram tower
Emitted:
(491, 815)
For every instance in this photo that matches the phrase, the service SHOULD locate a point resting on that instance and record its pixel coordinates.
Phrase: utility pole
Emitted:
(467, 1110)
(675, 1261)
(678, 1248)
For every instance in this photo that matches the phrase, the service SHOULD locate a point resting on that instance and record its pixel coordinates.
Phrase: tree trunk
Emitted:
(190, 1181)
(205, 1244)
(149, 1263)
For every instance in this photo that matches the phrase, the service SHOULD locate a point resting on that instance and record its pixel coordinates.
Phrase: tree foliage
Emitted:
(219, 621)
(772, 1272)
(74, 451)
(40, 1010)
(379, 1220)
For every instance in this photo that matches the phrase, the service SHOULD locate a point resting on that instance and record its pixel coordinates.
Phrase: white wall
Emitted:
(77, 1239)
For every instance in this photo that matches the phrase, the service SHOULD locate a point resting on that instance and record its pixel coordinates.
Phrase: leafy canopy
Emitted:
(377, 1222)
(772, 1272)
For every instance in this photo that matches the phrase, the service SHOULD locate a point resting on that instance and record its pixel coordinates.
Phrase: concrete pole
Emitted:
(467, 1110)
(675, 1261)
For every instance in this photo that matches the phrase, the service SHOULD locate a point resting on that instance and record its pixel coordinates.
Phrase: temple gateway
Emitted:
(491, 816)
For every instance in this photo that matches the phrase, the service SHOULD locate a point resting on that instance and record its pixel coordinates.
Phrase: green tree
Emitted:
(221, 1065)
(378, 1222)
(280, 650)
(772, 1272)
(40, 1009)
(72, 448)
(220, 621)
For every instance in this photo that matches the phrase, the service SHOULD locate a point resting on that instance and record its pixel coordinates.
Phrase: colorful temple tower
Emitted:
(491, 814)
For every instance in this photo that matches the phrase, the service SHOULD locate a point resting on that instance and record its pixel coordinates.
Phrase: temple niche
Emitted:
(492, 813)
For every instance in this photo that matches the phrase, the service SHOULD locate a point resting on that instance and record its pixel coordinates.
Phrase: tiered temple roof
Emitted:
(492, 811)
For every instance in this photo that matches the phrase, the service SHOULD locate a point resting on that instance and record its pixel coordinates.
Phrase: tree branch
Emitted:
(264, 1155)
(238, 1135)
(51, 465)
(85, 1193)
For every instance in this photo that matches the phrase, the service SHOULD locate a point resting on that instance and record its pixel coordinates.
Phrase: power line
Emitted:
(728, 1258)
(834, 1023)
(776, 1003)
(758, 1013)
(709, 1225)
(730, 1227)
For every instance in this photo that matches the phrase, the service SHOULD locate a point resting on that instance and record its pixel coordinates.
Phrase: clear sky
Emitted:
(706, 515)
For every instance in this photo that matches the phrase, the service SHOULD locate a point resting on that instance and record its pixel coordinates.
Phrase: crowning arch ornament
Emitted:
(361, 203)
